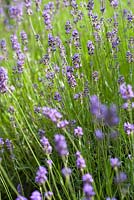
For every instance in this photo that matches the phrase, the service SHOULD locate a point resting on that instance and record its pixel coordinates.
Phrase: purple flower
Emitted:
(36, 195)
(114, 3)
(75, 34)
(75, 37)
(76, 61)
(57, 97)
(99, 134)
(103, 113)
(115, 162)
(41, 132)
(94, 105)
(90, 47)
(121, 79)
(49, 163)
(37, 3)
(24, 37)
(61, 145)
(126, 91)
(87, 178)
(90, 5)
(110, 116)
(1, 12)
(130, 17)
(9, 144)
(88, 191)
(71, 79)
(78, 131)
(16, 12)
(96, 108)
(47, 15)
(27, 3)
(1, 142)
(113, 198)
(128, 128)
(19, 188)
(80, 162)
(68, 27)
(21, 198)
(52, 114)
(95, 75)
(3, 45)
(20, 56)
(125, 105)
(46, 145)
(48, 195)
(132, 105)
(129, 57)
(41, 175)
(66, 3)
(121, 177)
(62, 124)
(66, 172)
(15, 44)
(51, 42)
(3, 80)
(45, 59)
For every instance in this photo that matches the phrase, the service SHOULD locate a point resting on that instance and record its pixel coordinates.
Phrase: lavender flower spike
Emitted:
(41, 175)
(61, 145)
(78, 131)
(80, 162)
(48, 195)
(46, 145)
(126, 91)
(36, 195)
(3, 80)
(88, 191)
(90, 48)
(87, 178)
(115, 162)
(128, 128)
(99, 134)
(66, 172)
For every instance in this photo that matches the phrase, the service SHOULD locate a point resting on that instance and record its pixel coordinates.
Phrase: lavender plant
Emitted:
(66, 100)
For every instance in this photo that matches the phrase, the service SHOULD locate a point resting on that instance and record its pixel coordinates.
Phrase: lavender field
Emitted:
(67, 100)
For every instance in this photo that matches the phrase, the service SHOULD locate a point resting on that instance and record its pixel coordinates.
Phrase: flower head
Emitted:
(99, 134)
(114, 3)
(121, 177)
(46, 145)
(48, 195)
(41, 175)
(66, 172)
(88, 191)
(62, 124)
(80, 162)
(36, 195)
(61, 145)
(87, 178)
(78, 131)
(52, 114)
(3, 80)
(128, 128)
(115, 162)
(126, 91)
